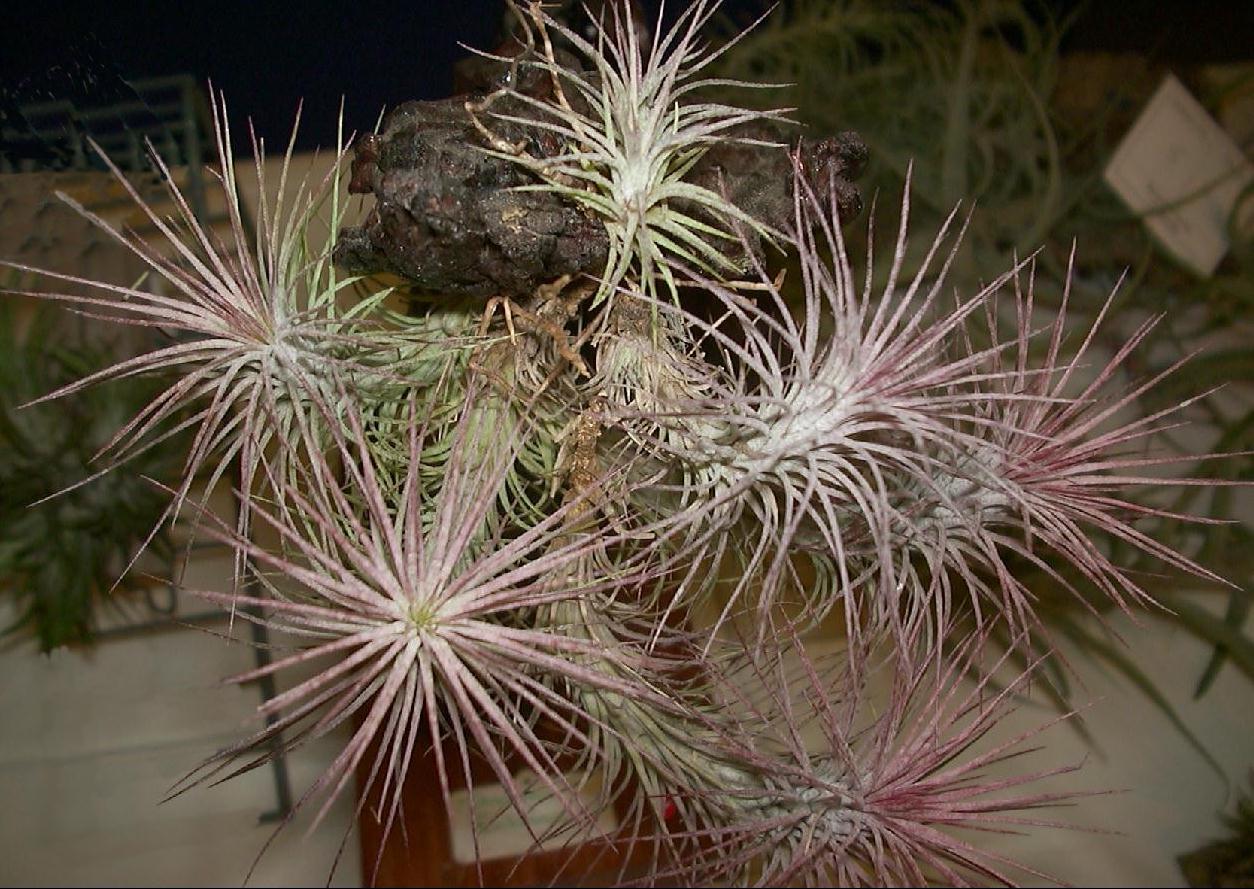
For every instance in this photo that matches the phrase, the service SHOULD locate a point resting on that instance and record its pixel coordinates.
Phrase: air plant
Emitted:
(814, 435)
(976, 99)
(1044, 464)
(255, 320)
(500, 538)
(832, 795)
(632, 129)
(417, 610)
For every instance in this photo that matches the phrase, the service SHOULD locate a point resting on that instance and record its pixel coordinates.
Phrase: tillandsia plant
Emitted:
(632, 129)
(976, 102)
(600, 521)
(254, 318)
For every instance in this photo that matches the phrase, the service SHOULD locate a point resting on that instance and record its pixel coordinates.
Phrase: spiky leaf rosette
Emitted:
(631, 128)
(1045, 472)
(850, 789)
(825, 419)
(255, 317)
(418, 613)
(864, 431)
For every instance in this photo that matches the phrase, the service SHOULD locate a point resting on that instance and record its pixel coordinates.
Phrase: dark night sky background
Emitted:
(268, 55)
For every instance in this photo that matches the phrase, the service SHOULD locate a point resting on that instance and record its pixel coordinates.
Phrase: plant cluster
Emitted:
(608, 523)
(976, 103)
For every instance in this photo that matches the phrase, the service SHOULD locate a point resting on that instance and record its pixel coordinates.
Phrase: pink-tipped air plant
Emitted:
(633, 127)
(811, 429)
(416, 613)
(840, 787)
(870, 437)
(1044, 470)
(254, 317)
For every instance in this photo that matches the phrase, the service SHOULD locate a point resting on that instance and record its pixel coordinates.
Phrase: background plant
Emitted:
(65, 542)
(1229, 861)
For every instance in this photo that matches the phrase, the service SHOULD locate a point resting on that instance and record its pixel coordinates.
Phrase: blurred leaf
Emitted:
(1234, 619)
(1113, 654)
(1228, 862)
(1219, 631)
(58, 556)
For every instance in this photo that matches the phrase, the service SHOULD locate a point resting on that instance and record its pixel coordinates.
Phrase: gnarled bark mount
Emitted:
(447, 219)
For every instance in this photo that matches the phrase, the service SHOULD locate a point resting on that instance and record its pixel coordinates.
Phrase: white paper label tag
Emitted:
(1178, 166)
(501, 830)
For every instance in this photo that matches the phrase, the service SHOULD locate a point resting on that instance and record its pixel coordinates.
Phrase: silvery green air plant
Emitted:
(612, 536)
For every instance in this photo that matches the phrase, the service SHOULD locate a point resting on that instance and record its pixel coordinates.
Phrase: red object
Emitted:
(418, 851)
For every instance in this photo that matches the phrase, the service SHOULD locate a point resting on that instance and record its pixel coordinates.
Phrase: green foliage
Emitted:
(59, 556)
(1228, 862)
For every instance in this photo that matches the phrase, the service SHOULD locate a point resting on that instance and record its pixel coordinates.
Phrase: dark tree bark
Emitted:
(447, 219)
